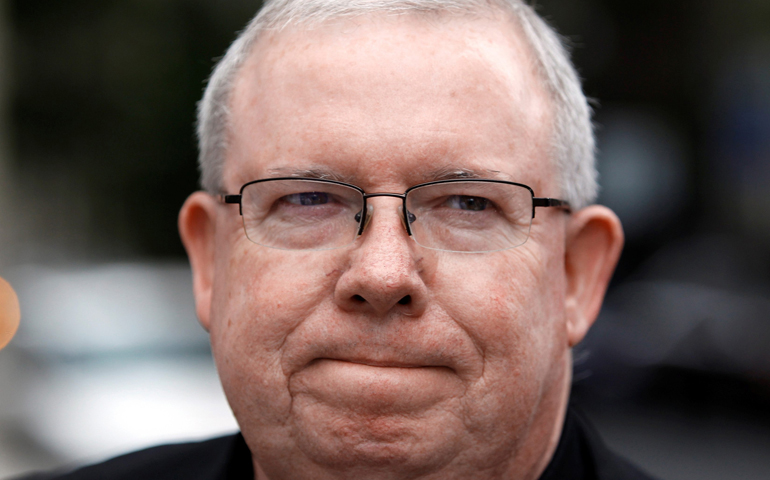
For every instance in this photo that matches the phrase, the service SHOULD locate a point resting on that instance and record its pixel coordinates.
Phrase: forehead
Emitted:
(389, 100)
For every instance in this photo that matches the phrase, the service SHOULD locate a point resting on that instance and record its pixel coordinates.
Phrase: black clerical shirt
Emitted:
(580, 455)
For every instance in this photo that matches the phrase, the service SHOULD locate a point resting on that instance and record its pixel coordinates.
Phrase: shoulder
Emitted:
(607, 464)
(207, 460)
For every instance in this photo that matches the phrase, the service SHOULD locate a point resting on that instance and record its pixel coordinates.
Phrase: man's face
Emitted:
(385, 356)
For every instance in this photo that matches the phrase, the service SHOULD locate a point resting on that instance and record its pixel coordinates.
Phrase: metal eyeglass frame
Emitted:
(363, 219)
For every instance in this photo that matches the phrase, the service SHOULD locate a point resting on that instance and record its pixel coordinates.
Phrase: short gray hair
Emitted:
(573, 140)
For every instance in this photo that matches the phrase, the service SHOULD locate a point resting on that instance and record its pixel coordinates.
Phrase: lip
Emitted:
(430, 342)
(415, 357)
(379, 387)
(377, 363)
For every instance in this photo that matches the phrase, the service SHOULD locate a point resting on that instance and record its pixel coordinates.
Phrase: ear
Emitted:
(197, 221)
(594, 242)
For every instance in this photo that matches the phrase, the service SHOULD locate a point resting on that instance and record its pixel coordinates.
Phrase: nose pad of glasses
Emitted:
(367, 218)
(411, 219)
(369, 210)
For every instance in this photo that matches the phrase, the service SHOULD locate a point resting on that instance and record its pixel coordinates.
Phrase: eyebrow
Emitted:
(319, 173)
(456, 173)
(443, 173)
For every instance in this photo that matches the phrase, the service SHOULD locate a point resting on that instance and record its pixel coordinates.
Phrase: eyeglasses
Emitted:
(476, 215)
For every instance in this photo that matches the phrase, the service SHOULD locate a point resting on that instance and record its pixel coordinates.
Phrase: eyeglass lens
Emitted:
(470, 216)
(467, 216)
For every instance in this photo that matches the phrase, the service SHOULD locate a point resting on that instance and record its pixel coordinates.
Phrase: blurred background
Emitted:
(97, 154)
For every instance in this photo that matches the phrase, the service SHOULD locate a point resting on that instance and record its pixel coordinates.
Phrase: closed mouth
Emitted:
(377, 363)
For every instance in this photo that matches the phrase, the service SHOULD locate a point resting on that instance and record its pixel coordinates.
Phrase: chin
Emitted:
(406, 444)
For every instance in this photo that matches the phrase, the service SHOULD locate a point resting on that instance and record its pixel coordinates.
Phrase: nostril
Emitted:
(406, 300)
(358, 298)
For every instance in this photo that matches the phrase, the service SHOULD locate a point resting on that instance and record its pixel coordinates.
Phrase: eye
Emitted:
(465, 202)
(307, 198)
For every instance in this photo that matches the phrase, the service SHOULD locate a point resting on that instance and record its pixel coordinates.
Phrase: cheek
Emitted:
(265, 295)
(509, 305)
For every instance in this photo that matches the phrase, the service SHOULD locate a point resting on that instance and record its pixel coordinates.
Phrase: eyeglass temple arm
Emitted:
(549, 202)
(236, 199)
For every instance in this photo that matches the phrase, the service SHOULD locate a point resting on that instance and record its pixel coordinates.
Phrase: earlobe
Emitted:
(594, 242)
(197, 221)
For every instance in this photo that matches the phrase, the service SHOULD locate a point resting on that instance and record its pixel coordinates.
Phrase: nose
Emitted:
(386, 271)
